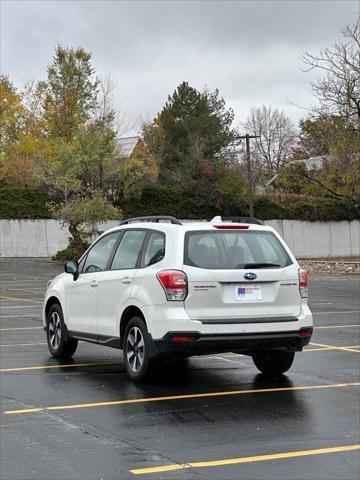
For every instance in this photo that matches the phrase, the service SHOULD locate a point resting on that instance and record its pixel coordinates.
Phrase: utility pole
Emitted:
(247, 138)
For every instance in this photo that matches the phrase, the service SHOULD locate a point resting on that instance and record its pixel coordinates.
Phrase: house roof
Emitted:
(127, 145)
(314, 163)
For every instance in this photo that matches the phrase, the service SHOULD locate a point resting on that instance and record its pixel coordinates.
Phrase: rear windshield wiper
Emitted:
(261, 265)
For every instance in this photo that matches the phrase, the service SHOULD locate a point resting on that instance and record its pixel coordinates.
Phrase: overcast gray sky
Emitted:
(248, 49)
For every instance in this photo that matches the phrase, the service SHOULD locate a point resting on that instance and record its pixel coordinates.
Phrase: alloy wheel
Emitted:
(55, 330)
(135, 349)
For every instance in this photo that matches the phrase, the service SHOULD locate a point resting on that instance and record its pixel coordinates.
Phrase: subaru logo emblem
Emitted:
(250, 276)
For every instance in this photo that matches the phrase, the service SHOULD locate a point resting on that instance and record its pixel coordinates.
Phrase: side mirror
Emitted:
(72, 267)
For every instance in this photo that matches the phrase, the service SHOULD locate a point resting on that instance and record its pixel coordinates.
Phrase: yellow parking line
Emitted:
(328, 348)
(20, 328)
(334, 347)
(181, 397)
(339, 326)
(236, 461)
(45, 367)
(322, 349)
(17, 299)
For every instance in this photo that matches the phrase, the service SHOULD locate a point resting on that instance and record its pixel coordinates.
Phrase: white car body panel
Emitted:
(98, 310)
(114, 290)
(82, 303)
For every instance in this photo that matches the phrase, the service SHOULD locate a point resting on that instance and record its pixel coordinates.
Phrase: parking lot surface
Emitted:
(210, 417)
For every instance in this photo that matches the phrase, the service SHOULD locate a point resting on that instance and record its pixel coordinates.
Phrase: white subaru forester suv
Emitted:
(159, 288)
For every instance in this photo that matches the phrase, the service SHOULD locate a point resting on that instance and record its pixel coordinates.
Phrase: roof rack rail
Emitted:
(152, 218)
(250, 220)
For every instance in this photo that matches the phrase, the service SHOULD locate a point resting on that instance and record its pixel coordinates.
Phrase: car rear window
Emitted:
(234, 250)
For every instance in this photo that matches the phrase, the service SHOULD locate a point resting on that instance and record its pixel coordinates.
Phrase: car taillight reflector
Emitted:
(232, 227)
(183, 338)
(305, 332)
(303, 282)
(174, 283)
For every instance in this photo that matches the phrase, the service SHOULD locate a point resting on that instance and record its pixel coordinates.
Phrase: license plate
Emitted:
(248, 292)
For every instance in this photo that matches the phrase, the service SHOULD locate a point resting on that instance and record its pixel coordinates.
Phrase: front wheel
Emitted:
(60, 346)
(274, 362)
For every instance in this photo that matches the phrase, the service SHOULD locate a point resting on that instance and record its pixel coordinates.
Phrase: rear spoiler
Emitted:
(249, 220)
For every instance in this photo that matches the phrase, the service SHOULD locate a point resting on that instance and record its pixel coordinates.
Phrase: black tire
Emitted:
(59, 344)
(136, 348)
(273, 362)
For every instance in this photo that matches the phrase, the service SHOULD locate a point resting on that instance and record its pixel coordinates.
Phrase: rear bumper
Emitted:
(172, 317)
(194, 343)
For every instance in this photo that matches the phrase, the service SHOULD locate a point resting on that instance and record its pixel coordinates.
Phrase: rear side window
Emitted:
(128, 251)
(155, 250)
(234, 250)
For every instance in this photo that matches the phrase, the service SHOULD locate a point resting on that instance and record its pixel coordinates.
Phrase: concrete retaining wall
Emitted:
(43, 238)
(320, 239)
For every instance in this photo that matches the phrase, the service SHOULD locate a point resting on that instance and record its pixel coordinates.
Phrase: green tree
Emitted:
(57, 169)
(80, 162)
(230, 188)
(79, 213)
(18, 136)
(191, 132)
(295, 178)
(333, 129)
(335, 138)
(12, 113)
(101, 166)
(70, 92)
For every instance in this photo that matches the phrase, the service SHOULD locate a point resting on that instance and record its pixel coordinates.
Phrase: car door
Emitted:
(115, 286)
(82, 294)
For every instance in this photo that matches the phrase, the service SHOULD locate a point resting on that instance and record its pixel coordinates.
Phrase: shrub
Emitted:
(204, 202)
(168, 200)
(301, 207)
(266, 208)
(24, 202)
(71, 252)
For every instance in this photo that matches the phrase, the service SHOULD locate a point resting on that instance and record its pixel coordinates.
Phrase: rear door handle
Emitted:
(93, 284)
(126, 281)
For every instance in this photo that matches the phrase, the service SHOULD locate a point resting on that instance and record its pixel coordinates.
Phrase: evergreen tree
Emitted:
(190, 134)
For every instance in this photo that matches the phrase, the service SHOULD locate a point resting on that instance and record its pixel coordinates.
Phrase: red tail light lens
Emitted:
(174, 283)
(303, 283)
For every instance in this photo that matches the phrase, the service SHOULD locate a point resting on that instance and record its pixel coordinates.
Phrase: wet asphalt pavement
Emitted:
(84, 419)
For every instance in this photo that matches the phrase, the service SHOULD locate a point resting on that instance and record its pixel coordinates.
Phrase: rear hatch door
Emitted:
(240, 277)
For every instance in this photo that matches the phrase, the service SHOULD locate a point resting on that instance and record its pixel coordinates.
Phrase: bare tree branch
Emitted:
(277, 138)
(338, 90)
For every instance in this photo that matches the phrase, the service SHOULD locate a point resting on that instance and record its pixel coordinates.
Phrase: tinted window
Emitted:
(99, 255)
(156, 249)
(232, 250)
(128, 251)
(269, 248)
